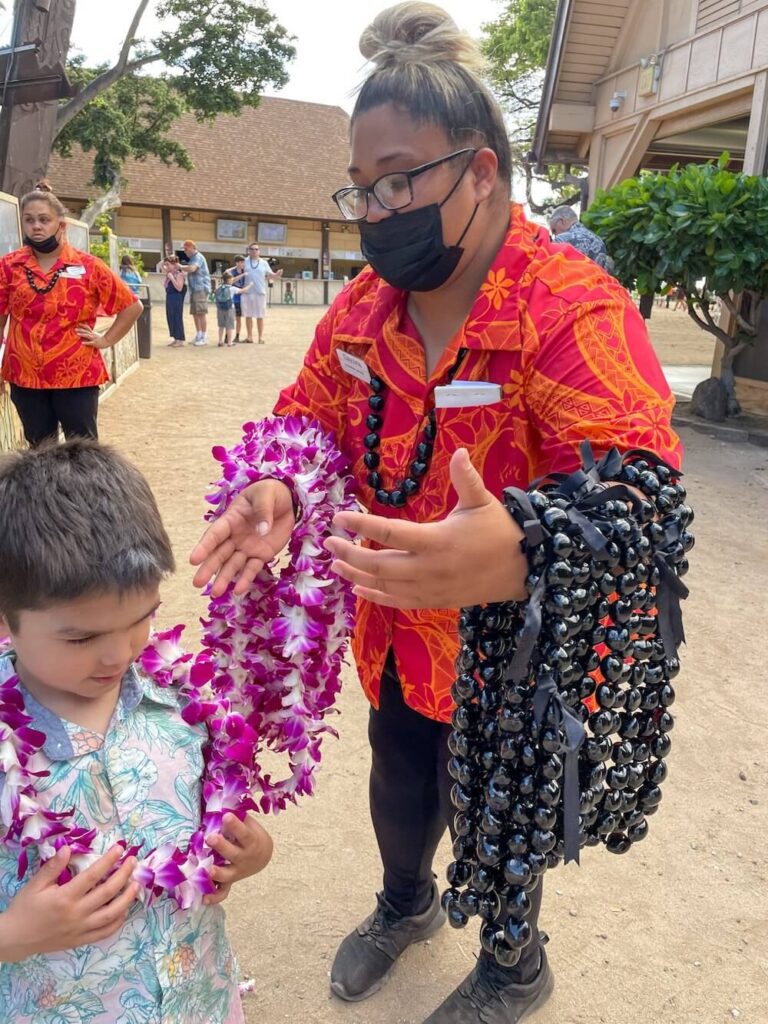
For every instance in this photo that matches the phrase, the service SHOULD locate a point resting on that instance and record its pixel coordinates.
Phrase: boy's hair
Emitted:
(239, 259)
(75, 519)
(226, 276)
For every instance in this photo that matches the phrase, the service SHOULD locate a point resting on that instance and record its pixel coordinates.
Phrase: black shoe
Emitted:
(368, 954)
(487, 996)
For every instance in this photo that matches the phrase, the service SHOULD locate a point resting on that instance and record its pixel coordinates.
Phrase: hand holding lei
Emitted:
(266, 677)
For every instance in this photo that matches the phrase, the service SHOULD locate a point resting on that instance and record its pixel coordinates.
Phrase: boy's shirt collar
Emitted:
(134, 688)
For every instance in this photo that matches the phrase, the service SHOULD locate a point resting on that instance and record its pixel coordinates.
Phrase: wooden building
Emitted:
(648, 83)
(265, 176)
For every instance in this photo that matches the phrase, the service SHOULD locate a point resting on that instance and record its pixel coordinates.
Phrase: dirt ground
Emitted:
(677, 339)
(676, 931)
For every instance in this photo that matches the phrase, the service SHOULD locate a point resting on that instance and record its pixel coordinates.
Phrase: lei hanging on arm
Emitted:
(266, 676)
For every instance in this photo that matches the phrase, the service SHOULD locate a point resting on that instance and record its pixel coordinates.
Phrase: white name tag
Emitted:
(463, 393)
(75, 271)
(354, 365)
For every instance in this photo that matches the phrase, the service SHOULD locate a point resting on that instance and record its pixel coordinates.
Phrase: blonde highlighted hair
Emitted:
(425, 65)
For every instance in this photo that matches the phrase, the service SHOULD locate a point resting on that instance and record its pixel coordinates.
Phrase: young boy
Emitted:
(238, 277)
(82, 554)
(225, 296)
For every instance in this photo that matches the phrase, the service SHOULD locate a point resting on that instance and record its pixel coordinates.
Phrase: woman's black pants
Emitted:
(41, 410)
(411, 806)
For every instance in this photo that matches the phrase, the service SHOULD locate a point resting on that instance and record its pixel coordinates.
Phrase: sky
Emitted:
(328, 64)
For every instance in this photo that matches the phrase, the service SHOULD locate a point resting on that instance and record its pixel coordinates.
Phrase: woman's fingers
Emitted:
(390, 533)
(391, 565)
(387, 600)
(214, 537)
(249, 573)
(225, 573)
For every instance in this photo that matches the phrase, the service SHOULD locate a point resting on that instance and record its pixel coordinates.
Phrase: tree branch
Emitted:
(103, 81)
(733, 309)
(707, 324)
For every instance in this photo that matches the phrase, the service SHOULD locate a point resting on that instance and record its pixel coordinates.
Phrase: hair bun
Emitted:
(418, 33)
(43, 186)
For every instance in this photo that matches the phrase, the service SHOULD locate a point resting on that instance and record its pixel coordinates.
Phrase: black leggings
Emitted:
(411, 805)
(41, 410)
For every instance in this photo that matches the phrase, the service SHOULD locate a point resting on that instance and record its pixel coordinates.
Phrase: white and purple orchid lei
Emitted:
(266, 676)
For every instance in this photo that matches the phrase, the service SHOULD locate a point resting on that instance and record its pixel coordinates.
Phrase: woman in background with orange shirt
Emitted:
(52, 294)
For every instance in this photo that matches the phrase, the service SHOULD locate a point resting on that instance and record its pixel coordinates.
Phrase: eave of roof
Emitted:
(554, 62)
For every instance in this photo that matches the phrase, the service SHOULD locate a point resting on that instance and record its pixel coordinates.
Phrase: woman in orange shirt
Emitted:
(52, 294)
(468, 329)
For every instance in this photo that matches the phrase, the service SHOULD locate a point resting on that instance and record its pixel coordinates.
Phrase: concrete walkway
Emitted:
(676, 931)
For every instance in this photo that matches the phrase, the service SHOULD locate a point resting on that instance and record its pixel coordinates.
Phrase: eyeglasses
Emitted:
(393, 191)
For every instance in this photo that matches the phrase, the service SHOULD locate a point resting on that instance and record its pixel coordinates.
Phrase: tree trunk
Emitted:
(109, 201)
(29, 128)
(728, 377)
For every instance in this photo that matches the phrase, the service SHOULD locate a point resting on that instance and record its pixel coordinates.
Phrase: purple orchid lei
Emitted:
(266, 676)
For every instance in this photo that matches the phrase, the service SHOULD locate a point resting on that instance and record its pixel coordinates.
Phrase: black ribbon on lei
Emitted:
(587, 489)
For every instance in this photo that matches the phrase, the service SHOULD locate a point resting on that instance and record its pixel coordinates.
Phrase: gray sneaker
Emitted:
(487, 996)
(368, 954)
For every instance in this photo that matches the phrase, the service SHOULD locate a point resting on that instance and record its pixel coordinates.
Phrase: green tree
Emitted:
(701, 228)
(516, 45)
(218, 58)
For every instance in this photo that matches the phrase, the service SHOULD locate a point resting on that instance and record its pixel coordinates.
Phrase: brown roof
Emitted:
(284, 158)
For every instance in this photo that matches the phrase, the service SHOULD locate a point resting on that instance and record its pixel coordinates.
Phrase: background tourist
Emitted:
(224, 297)
(129, 274)
(175, 290)
(199, 281)
(254, 305)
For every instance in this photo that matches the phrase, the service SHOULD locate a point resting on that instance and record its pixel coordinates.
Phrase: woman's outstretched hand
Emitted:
(473, 556)
(253, 530)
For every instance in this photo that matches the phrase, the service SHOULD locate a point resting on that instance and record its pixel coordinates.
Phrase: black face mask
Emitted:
(408, 250)
(45, 246)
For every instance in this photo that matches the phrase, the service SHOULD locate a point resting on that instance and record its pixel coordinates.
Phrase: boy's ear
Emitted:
(5, 629)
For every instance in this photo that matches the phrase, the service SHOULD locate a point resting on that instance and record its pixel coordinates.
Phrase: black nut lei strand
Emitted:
(562, 723)
(50, 284)
(398, 495)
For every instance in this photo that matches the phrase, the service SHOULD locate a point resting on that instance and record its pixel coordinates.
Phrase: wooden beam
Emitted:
(756, 149)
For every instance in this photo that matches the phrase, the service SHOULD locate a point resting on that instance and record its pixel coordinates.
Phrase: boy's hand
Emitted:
(45, 917)
(248, 848)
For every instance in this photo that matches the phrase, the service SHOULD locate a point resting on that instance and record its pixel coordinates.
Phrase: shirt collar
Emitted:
(510, 268)
(134, 688)
(26, 256)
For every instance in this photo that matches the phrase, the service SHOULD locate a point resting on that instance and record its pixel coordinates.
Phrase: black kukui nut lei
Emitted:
(410, 483)
(560, 731)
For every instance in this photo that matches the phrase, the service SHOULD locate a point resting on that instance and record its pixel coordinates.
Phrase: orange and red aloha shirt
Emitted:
(42, 349)
(572, 356)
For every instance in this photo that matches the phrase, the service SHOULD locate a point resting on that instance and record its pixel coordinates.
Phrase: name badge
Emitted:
(354, 366)
(463, 393)
(74, 271)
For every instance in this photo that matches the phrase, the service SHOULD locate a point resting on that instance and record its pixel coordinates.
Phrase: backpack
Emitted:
(223, 297)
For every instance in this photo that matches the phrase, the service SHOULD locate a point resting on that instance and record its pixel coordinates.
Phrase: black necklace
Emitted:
(403, 489)
(33, 285)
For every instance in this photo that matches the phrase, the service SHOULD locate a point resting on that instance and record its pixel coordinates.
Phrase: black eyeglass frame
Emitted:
(368, 190)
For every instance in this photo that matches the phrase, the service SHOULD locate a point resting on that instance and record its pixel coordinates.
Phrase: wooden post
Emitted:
(27, 131)
(165, 214)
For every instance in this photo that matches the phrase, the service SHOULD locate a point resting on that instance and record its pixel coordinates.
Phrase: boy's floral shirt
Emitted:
(140, 783)
(573, 361)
